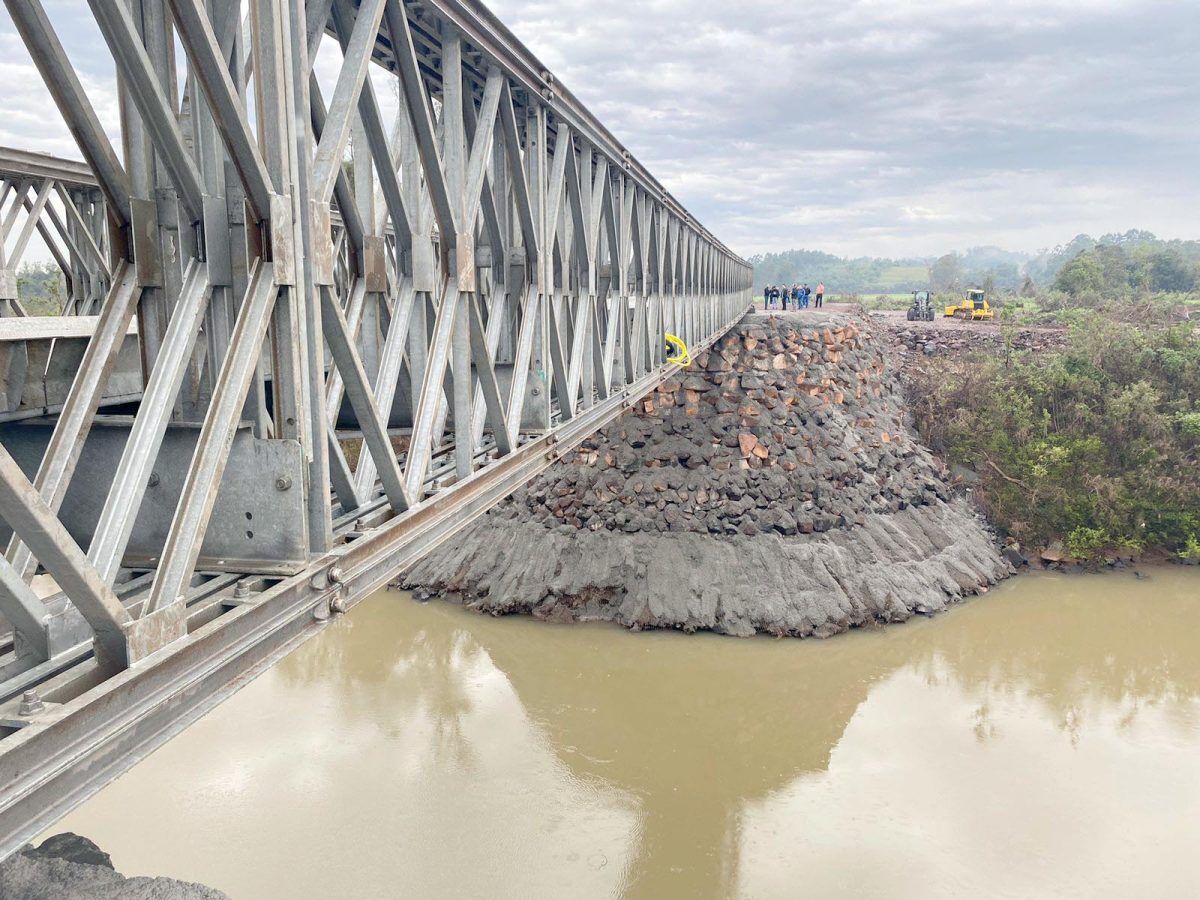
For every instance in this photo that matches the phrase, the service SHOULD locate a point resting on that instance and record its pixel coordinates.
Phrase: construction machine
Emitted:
(974, 306)
(921, 309)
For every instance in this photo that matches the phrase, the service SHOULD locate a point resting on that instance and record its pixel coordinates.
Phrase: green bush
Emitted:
(1191, 548)
(1088, 543)
(1097, 444)
(1188, 424)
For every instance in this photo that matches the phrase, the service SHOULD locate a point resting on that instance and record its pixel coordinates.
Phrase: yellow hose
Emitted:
(680, 355)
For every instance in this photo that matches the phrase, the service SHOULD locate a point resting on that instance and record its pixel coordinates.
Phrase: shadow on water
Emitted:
(409, 674)
(694, 729)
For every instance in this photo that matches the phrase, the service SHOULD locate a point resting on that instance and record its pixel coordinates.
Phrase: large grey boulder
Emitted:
(70, 867)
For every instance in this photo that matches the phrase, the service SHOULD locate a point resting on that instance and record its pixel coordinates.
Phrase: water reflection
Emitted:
(394, 677)
(1040, 740)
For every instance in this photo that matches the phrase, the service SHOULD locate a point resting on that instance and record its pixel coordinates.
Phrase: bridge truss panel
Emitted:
(471, 289)
(59, 201)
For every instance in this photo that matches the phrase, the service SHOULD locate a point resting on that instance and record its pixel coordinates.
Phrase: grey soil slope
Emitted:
(775, 488)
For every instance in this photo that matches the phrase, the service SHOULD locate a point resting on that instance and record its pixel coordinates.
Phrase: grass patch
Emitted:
(900, 278)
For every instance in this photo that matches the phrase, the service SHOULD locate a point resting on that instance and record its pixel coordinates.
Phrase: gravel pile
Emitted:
(974, 338)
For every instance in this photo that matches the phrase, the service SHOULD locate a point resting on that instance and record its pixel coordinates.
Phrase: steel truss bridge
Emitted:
(264, 269)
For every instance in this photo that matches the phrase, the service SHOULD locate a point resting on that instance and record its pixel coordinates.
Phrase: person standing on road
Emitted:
(766, 295)
(820, 293)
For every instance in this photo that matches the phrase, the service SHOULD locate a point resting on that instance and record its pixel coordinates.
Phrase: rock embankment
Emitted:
(70, 867)
(774, 487)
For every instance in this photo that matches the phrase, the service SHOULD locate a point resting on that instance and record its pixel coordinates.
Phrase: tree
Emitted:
(945, 274)
(1169, 272)
(1115, 263)
(1106, 270)
(1083, 273)
(41, 288)
(1048, 263)
(1134, 237)
(1007, 275)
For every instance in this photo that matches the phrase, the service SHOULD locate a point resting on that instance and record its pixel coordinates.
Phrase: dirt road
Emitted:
(894, 318)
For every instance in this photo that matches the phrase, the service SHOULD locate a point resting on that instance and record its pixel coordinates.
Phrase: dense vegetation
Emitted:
(1113, 270)
(1043, 269)
(1098, 445)
(1132, 261)
(42, 289)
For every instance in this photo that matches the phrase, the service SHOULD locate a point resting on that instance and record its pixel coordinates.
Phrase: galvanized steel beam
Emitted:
(490, 284)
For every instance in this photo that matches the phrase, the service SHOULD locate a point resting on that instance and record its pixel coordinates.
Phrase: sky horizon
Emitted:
(866, 128)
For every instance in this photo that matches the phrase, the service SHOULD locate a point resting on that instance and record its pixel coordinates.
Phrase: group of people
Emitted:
(800, 294)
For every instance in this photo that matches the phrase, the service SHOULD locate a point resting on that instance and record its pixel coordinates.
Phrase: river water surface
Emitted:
(1040, 741)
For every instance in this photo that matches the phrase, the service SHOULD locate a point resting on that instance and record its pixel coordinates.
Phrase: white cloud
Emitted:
(886, 126)
(866, 127)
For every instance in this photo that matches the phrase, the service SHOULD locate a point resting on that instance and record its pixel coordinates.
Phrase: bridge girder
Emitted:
(476, 288)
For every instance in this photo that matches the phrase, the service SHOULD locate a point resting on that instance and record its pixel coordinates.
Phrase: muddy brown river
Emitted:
(1040, 741)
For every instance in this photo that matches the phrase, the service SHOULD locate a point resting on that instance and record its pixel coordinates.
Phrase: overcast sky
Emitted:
(875, 127)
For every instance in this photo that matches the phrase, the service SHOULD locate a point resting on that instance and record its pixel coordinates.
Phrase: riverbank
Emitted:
(775, 487)
(1081, 445)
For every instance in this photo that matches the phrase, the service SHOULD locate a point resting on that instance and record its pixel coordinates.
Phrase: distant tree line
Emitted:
(881, 275)
(1111, 265)
(1044, 267)
(859, 275)
(1113, 270)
